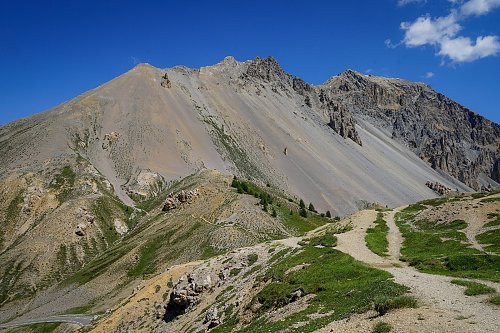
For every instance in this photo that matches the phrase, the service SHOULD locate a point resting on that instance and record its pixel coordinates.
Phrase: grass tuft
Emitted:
(381, 327)
(474, 288)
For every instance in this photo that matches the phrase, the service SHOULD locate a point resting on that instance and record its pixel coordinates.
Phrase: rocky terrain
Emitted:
(227, 293)
(150, 175)
(440, 131)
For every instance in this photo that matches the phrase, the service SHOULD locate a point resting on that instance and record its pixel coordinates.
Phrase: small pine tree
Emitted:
(274, 214)
(302, 204)
(311, 207)
(303, 212)
(235, 182)
(328, 214)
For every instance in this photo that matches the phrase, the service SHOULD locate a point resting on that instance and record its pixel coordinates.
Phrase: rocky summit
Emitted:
(238, 197)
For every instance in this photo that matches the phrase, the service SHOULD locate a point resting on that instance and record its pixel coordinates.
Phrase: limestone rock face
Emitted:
(440, 131)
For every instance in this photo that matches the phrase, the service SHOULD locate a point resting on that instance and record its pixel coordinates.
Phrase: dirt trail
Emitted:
(444, 307)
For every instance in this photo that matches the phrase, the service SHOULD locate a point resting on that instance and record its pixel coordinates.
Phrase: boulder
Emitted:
(212, 317)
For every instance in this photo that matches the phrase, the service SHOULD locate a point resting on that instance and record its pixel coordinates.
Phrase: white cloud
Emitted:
(463, 49)
(428, 75)
(426, 30)
(442, 32)
(402, 3)
(478, 7)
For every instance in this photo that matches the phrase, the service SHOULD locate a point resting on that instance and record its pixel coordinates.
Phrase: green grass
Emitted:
(36, 328)
(495, 220)
(474, 288)
(434, 202)
(497, 199)
(209, 251)
(441, 248)
(376, 237)
(384, 304)
(491, 239)
(252, 258)
(64, 182)
(495, 300)
(299, 224)
(146, 263)
(328, 239)
(339, 282)
(381, 327)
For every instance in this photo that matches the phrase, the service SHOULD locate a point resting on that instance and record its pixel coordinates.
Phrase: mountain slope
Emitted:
(237, 117)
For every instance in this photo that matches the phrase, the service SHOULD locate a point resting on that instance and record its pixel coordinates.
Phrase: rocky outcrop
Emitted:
(342, 122)
(165, 82)
(442, 132)
(186, 295)
(268, 70)
(145, 185)
(212, 318)
(174, 200)
(438, 187)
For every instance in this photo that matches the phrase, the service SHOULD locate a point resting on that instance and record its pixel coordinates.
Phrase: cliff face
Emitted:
(338, 117)
(440, 131)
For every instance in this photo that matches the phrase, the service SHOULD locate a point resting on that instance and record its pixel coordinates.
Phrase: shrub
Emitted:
(311, 207)
(303, 212)
(381, 327)
(328, 214)
(274, 214)
(383, 304)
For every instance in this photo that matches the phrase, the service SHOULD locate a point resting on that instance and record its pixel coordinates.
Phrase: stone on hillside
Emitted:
(212, 317)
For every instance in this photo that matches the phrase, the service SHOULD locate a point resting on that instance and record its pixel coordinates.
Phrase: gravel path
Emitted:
(444, 307)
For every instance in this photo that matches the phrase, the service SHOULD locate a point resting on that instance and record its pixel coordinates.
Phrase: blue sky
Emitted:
(52, 51)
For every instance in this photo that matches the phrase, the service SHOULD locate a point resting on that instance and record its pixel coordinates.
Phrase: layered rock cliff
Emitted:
(447, 135)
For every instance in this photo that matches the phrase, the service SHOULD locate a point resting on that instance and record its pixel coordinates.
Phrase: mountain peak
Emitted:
(267, 69)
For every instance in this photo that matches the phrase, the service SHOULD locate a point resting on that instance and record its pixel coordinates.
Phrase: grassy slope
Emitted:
(442, 248)
(341, 285)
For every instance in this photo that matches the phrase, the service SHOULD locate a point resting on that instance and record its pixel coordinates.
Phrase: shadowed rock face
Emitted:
(440, 131)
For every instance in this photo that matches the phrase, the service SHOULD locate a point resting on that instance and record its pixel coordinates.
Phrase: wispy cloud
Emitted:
(402, 3)
(388, 43)
(442, 32)
(428, 75)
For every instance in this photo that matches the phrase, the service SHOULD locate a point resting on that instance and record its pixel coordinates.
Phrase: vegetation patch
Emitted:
(497, 199)
(64, 182)
(381, 327)
(384, 304)
(340, 285)
(145, 265)
(328, 239)
(376, 237)
(495, 300)
(491, 240)
(495, 220)
(252, 258)
(442, 248)
(434, 202)
(474, 288)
